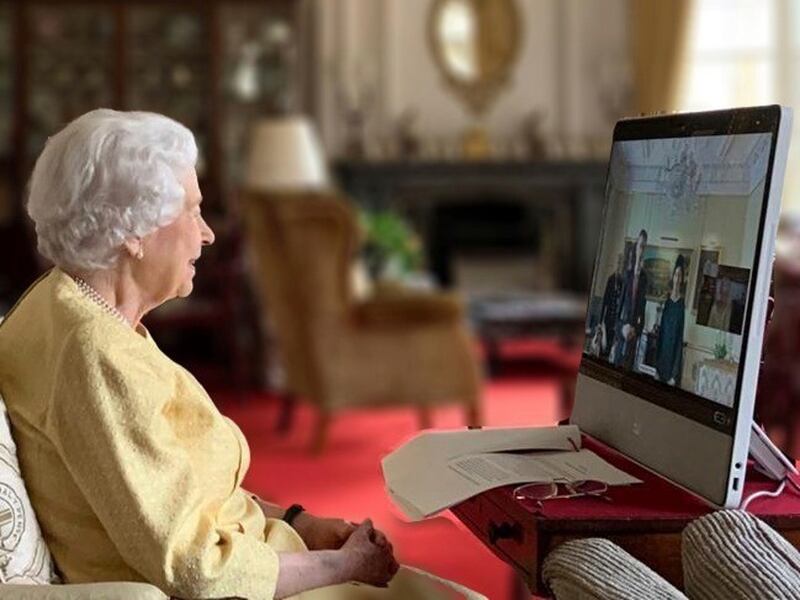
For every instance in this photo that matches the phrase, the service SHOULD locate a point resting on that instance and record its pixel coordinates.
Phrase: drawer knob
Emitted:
(504, 531)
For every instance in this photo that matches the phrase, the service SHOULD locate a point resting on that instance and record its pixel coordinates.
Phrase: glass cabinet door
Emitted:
(259, 55)
(8, 208)
(168, 53)
(6, 79)
(70, 66)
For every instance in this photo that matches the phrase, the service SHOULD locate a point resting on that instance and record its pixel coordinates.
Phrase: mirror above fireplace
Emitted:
(475, 44)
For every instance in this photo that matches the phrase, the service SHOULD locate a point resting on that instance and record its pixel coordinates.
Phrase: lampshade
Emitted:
(285, 155)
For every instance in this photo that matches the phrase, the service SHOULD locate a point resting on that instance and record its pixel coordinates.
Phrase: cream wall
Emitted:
(572, 62)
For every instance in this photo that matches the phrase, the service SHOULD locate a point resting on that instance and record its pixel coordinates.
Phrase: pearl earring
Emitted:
(140, 254)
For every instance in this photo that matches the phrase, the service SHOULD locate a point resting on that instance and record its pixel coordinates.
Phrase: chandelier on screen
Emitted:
(680, 181)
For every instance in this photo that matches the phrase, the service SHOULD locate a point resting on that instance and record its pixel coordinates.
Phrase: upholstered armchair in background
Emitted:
(395, 348)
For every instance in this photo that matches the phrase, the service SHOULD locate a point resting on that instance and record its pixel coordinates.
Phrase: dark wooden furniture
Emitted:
(646, 520)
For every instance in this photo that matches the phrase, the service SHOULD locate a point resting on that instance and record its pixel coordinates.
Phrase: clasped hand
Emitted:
(368, 556)
(320, 533)
(362, 553)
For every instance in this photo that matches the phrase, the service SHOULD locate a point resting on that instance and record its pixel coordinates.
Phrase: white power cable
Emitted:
(763, 494)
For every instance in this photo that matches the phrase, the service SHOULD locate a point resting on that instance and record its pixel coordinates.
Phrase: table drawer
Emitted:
(504, 534)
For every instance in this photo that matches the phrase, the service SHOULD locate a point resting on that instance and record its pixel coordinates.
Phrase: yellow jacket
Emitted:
(133, 472)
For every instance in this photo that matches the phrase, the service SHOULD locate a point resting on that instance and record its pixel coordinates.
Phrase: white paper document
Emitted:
(436, 470)
(493, 468)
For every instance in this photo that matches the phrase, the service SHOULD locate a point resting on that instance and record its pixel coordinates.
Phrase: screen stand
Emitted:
(768, 458)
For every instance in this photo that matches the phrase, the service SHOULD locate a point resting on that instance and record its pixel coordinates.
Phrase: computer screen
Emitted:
(675, 267)
(679, 294)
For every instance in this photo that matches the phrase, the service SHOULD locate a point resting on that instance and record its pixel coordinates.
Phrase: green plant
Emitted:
(720, 347)
(391, 248)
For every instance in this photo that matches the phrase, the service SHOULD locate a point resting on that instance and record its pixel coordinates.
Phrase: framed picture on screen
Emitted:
(710, 257)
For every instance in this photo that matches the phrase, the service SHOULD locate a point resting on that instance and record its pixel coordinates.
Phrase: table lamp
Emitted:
(286, 156)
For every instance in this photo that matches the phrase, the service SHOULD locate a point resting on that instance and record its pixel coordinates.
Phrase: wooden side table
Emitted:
(645, 519)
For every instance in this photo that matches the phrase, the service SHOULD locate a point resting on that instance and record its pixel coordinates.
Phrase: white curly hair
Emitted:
(106, 177)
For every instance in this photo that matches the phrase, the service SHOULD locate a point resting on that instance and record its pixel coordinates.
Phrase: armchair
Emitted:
(395, 348)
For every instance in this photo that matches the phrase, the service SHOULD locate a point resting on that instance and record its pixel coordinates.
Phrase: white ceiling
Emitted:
(715, 165)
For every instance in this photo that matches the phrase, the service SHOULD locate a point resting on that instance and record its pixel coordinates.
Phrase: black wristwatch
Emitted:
(292, 512)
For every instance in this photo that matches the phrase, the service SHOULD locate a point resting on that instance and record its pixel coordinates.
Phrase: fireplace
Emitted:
(492, 225)
(471, 238)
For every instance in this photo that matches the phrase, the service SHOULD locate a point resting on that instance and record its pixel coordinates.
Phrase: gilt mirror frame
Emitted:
(500, 51)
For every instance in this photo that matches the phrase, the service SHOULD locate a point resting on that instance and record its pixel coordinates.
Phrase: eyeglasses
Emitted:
(537, 492)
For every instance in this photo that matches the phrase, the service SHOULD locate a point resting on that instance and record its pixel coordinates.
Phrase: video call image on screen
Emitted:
(670, 288)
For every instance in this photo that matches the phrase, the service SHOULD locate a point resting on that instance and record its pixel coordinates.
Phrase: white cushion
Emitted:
(24, 556)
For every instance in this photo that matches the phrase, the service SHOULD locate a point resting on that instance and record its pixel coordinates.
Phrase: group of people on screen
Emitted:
(622, 315)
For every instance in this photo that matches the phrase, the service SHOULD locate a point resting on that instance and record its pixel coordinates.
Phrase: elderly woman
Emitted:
(719, 317)
(133, 472)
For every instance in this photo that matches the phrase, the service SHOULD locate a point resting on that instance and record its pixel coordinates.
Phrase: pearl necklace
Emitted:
(95, 297)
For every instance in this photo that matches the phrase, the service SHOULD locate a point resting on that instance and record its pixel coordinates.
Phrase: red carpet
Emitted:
(346, 480)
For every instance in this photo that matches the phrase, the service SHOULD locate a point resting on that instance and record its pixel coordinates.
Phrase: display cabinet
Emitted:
(69, 55)
(261, 46)
(214, 65)
(168, 68)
